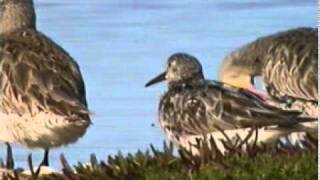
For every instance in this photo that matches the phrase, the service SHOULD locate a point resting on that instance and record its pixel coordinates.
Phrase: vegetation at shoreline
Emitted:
(256, 162)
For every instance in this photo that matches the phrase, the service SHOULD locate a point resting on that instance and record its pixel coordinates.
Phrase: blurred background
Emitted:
(120, 45)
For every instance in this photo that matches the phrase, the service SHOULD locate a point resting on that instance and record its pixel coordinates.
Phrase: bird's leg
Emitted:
(10, 161)
(45, 161)
(34, 174)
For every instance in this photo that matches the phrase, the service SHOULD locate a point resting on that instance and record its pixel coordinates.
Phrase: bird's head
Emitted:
(181, 68)
(241, 67)
(16, 14)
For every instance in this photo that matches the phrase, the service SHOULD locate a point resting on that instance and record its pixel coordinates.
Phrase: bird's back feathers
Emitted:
(38, 75)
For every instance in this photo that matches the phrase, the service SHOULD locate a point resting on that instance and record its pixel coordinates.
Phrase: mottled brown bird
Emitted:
(193, 107)
(288, 64)
(42, 93)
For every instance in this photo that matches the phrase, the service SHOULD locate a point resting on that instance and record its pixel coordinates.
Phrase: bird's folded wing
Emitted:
(36, 75)
(293, 54)
(212, 108)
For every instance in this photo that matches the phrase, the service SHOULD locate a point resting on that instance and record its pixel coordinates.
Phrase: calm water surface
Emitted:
(120, 45)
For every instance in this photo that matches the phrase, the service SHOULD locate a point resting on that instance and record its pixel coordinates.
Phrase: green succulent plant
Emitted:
(280, 161)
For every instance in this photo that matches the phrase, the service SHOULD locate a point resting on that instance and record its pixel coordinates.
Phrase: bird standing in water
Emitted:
(42, 93)
(193, 107)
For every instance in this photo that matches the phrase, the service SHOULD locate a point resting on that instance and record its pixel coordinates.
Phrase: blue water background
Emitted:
(120, 45)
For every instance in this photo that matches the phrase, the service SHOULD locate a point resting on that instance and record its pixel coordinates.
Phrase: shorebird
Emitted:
(288, 64)
(42, 93)
(193, 107)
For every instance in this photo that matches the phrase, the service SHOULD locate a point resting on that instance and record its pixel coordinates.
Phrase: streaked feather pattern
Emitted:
(36, 75)
(194, 107)
(291, 65)
(288, 64)
(42, 94)
(201, 108)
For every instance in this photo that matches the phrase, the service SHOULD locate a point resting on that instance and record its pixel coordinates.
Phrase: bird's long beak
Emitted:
(157, 79)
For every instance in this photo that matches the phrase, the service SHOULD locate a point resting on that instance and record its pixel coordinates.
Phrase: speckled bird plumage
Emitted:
(42, 93)
(287, 62)
(193, 107)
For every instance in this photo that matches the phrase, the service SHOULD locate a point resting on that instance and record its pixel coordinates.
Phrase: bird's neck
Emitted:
(16, 17)
(187, 83)
(254, 53)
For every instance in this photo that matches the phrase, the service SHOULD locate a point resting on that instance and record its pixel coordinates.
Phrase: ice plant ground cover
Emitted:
(280, 161)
